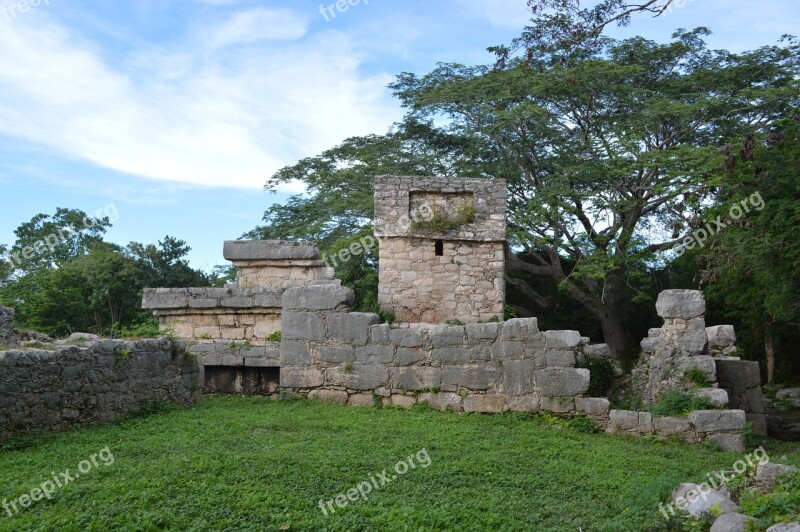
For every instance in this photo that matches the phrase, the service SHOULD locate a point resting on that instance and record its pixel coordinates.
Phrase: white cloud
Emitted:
(256, 25)
(223, 117)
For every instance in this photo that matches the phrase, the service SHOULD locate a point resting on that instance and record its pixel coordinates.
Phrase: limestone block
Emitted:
(482, 331)
(450, 355)
(559, 358)
(301, 377)
(403, 401)
(244, 250)
(406, 356)
(490, 404)
(359, 377)
(716, 396)
(375, 354)
(351, 327)
(562, 339)
(730, 443)
(526, 403)
(416, 378)
(518, 378)
(669, 425)
(442, 401)
(562, 382)
(329, 396)
(317, 297)
(683, 304)
(597, 351)
(699, 499)
(407, 337)
(717, 420)
(446, 336)
(593, 406)
(768, 474)
(519, 329)
(361, 399)
(472, 376)
(302, 326)
(693, 341)
(379, 334)
(295, 353)
(334, 354)
(557, 405)
(731, 522)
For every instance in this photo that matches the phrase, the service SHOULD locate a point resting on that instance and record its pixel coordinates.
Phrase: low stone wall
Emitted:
(55, 390)
(723, 427)
(330, 353)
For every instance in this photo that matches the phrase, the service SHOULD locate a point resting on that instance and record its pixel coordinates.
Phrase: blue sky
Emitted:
(177, 111)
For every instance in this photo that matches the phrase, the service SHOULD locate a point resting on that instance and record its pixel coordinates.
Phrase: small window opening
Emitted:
(439, 248)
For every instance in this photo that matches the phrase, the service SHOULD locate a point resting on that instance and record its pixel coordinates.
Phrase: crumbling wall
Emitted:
(330, 353)
(73, 386)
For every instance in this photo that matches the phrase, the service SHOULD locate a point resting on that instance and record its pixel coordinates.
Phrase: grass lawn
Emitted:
(237, 463)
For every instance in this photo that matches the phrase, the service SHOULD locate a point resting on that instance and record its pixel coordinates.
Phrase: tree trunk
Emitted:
(613, 332)
(769, 347)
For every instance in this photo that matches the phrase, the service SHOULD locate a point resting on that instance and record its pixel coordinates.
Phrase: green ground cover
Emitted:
(237, 463)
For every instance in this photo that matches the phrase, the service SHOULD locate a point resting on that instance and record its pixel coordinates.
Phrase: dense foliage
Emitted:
(80, 282)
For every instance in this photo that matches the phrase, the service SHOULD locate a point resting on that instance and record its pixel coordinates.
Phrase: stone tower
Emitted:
(442, 247)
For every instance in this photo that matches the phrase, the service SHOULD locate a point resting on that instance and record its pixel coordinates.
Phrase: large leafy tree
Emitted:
(615, 145)
(752, 267)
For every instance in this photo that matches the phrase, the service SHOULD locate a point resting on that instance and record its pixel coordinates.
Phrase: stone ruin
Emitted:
(447, 267)
(442, 247)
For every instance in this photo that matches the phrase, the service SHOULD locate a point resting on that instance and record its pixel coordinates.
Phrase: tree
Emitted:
(614, 145)
(50, 241)
(752, 266)
(166, 266)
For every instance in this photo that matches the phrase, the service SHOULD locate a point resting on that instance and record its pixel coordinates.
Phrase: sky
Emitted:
(173, 114)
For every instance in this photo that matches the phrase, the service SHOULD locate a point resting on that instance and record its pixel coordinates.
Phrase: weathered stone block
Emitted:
(523, 404)
(490, 404)
(416, 378)
(669, 425)
(683, 304)
(519, 329)
(721, 336)
(557, 405)
(716, 396)
(379, 334)
(472, 376)
(359, 377)
(593, 406)
(518, 377)
(317, 297)
(559, 358)
(407, 337)
(562, 382)
(295, 353)
(730, 443)
(406, 356)
(509, 349)
(244, 250)
(562, 339)
(717, 420)
(375, 354)
(403, 401)
(482, 331)
(442, 401)
(693, 341)
(329, 396)
(294, 377)
(446, 336)
(450, 355)
(597, 351)
(334, 354)
(351, 327)
(302, 326)
(361, 399)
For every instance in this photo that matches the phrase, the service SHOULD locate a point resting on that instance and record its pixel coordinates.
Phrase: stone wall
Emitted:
(275, 264)
(723, 427)
(55, 390)
(449, 271)
(330, 353)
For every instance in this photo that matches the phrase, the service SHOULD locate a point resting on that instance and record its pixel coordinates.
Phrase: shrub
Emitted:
(780, 506)
(601, 376)
(146, 329)
(696, 376)
(677, 403)
(274, 337)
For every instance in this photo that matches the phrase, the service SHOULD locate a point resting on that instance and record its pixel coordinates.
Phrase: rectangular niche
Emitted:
(448, 209)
